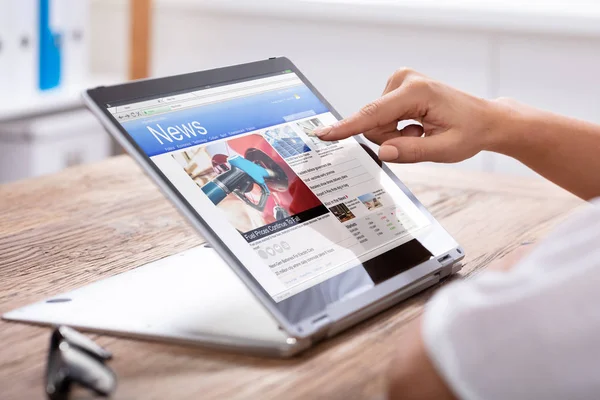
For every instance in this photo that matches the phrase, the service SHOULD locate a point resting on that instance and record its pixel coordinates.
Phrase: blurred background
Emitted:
(545, 53)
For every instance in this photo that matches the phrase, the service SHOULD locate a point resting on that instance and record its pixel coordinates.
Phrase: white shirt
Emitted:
(530, 333)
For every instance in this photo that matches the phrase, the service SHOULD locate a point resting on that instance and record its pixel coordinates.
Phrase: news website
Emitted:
(294, 209)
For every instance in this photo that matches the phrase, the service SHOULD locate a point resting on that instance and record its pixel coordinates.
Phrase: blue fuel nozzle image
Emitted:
(240, 175)
(257, 173)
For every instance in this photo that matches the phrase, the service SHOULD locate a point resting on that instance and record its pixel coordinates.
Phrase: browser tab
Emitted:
(136, 106)
(178, 97)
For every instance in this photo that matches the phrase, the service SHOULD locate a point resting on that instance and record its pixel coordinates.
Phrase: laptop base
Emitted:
(191, 298)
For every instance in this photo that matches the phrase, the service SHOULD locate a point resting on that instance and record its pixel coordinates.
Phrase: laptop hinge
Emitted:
(446, 263)
(320, 325)
(445, 260)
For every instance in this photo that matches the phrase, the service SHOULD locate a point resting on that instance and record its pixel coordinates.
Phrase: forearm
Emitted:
(529, 333)
(412, 376)
(564, 150)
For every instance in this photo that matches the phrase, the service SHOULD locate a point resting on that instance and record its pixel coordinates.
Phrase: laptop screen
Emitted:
(295, 210)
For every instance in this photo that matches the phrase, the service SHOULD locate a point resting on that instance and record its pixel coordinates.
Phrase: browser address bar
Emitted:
(245, 85)
(237, 93)
(165, 108)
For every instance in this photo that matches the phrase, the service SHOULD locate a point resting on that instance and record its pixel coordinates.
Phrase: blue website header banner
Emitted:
(206, 123)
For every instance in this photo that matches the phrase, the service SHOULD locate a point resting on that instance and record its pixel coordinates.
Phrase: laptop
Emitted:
(304, 238)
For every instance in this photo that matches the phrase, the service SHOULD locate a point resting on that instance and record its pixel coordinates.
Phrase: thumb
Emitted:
(440, 148)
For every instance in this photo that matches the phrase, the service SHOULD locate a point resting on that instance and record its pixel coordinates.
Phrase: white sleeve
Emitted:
(531, 333)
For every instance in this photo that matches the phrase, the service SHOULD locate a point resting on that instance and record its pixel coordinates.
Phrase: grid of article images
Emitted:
(343, 213)
(308, 127)
(288, 143)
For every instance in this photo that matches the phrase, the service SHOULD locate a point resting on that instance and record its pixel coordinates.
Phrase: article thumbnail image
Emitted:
(370, 201)
(342, 212)
(248, 179)
(308, 127)
(286, 141)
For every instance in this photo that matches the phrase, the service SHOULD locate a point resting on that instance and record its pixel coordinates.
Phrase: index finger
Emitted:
(393, 106)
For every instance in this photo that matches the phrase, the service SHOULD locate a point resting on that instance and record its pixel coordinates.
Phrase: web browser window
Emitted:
(294, 209)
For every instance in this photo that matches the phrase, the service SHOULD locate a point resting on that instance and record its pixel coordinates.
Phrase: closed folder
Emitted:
(24, 47)
(5, 69)
(76, 43)
(51, 30)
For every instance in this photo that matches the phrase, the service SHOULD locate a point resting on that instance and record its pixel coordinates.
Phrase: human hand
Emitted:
(411, 375)
(455, 125)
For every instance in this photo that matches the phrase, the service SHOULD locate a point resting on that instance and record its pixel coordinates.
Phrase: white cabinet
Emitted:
(49, 144)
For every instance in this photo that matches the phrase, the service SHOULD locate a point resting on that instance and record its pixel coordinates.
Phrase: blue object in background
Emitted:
(50, 49)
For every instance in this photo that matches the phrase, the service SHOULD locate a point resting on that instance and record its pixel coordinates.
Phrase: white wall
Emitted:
(349, 59)
(109, 40)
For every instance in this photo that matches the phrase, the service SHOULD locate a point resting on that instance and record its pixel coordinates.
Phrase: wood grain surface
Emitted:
(87, 223)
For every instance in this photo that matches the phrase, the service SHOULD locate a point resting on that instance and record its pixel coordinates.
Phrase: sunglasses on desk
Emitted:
(74, 358)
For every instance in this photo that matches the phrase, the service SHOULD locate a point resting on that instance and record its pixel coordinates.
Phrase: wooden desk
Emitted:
(63, 231)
